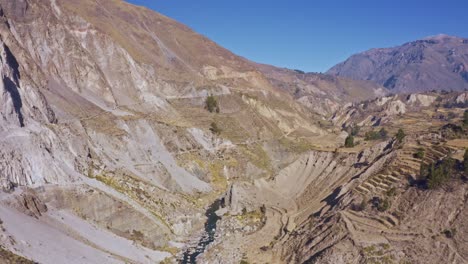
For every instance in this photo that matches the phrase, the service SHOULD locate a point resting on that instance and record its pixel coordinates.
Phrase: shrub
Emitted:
(391, 192)
(354, 130)
(349, 142)
(420, 153)
(449, 233)
(137, 235)
(211, 104)
(400, 135)
(384, 205)
(439, 173)
(373, 135)
(215, 129)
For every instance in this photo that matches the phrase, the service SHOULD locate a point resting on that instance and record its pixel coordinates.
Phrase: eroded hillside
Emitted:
(128, 138)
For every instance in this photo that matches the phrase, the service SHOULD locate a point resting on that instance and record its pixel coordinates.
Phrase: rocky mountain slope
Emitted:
(390, 217)
(128, 138)
(364, 204)
(108, 153)
(434, 63)
(321, 93)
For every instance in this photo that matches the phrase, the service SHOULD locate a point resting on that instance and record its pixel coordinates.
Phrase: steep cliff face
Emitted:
(103, 121)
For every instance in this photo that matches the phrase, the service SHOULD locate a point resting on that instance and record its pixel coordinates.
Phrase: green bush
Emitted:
(211, 104)
(353, 130)
(437, 174)
(215, 129)
(371, 135)
(374, 135)
(384, 205)
(349, 142)
(400, 135)
(420, 153)
(449, 233)
(391, 192)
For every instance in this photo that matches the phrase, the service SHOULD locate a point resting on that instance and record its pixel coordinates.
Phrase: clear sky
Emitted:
(313, 35)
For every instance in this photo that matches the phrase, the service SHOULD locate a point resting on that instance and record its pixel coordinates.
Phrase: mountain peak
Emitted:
(440, 36)
(434, 63)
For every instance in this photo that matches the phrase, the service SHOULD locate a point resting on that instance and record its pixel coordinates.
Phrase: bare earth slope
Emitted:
(320, 92)
(107, 153)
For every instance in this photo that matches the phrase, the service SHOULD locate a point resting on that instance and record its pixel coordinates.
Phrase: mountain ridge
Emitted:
(433, 63)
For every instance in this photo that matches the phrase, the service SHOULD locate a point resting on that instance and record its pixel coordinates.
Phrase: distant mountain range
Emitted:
(433, 63)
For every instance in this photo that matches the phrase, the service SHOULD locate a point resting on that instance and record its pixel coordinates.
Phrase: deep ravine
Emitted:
(191, 254)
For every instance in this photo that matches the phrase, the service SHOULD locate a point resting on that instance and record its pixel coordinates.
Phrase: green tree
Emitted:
(400, 135)
(211, 104)
(440, 173)
(349, 142)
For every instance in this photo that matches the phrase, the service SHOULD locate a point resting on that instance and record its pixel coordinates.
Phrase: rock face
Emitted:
(105, 137)
(434, 63)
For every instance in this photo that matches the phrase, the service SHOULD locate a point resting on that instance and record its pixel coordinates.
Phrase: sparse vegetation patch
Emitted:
(211, 104)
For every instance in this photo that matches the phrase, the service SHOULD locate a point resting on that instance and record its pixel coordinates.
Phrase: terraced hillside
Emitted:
(393, 215)
(406, 166)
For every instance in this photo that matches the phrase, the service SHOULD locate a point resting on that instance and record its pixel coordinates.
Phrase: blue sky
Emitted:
(313, 35)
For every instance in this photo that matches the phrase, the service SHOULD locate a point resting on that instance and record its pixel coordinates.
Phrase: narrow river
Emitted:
(190, 256)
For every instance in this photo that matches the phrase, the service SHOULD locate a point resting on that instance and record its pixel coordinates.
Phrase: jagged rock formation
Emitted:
(434, 63)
